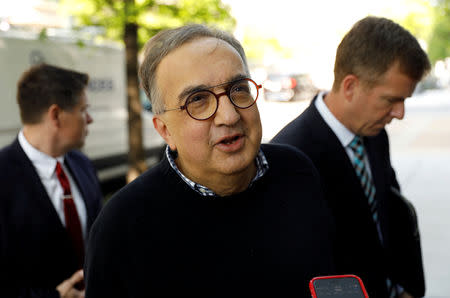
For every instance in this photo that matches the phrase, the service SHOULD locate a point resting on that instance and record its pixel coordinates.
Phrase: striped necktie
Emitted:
(361, 171)
(369, 190)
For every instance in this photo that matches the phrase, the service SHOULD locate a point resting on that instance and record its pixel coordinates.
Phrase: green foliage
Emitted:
(439, 43)
(205, 11)
(429, 21)
(43, 34)
(419, 18)
(151, 16)
(257, 46)
(80, 43)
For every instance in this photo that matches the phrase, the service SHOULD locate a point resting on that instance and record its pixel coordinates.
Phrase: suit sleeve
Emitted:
(9, 288)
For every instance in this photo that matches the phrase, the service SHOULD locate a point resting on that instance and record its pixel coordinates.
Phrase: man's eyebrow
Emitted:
(192, 89)
(189, 90)
(394, 98)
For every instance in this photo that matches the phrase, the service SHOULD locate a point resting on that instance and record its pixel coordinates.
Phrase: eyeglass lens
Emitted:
(203, 104)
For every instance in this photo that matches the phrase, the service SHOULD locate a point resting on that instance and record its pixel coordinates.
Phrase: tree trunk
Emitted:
(136, 157)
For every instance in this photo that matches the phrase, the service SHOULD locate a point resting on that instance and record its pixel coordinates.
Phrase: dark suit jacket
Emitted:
(35, 250)
(359, 250)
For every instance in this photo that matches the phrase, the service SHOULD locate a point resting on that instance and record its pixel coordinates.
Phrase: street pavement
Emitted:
(420, 154)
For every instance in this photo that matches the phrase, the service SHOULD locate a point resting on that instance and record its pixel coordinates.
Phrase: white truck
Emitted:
(107, 142)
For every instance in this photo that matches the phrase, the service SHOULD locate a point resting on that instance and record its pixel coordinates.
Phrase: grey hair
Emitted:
(160, 45)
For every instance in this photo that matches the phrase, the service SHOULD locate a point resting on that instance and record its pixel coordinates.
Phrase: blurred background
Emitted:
(291, 48)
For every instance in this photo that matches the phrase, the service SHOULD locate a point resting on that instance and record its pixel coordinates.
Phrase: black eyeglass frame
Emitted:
(217, 96)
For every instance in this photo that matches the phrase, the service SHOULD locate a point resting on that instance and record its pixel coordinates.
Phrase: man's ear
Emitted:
(349, 85)
(161, 127)
(53, 115)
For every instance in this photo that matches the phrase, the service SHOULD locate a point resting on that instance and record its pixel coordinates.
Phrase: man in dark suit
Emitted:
(49, 191)
(221, 215)
(378, 64)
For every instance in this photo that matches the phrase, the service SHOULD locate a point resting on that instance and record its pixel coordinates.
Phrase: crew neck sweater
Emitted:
(159, 238)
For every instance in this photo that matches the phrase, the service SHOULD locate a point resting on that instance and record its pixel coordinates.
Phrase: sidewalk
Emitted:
(420, 153)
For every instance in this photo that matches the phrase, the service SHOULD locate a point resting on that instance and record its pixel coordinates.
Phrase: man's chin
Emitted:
(375, 131)
(80, 145)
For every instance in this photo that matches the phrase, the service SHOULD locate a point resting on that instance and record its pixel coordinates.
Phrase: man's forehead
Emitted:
(203, 44)
(200, 50)
(200, 63)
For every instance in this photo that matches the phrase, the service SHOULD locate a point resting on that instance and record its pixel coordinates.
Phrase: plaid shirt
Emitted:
(261, 168)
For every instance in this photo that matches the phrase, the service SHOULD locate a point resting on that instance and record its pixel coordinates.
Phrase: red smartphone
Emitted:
(337, 286)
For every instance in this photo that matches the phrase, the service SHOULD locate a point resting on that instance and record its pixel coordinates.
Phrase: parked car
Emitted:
(287, 87)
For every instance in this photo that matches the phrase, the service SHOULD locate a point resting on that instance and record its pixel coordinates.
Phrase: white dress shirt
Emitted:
(45, 166)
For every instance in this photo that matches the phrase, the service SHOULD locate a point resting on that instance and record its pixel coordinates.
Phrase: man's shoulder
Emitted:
(303, 119)
(15, 175)
(11, 157)
(147, 194)
(153, 179)
(149, 185)
(79, 161)
(78, 156)
(299, 128)
(7, 151)
(286, 158)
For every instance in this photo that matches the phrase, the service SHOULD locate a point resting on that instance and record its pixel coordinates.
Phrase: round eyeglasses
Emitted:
(203, 104)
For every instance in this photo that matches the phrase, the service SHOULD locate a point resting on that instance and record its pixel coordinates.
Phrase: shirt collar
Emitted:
(261, 168)
(44, 164)
(344, 135)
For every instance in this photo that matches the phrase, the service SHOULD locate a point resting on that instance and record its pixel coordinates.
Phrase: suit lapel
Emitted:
(33, 185)
(332, 150)
(343, 174)
(83, 184)
(375, 165)
(377, 168)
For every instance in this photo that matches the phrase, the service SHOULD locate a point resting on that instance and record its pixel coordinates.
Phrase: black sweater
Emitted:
(159, 238)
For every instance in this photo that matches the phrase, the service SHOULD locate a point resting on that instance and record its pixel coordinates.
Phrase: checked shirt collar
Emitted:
(261, 168)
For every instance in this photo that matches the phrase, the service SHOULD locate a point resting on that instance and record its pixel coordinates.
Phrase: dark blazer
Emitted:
(35, 250)
(359, 250)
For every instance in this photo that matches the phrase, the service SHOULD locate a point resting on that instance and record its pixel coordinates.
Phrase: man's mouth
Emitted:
(229, 140)
(231, 143)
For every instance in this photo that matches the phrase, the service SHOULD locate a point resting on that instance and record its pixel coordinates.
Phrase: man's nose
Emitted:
(398, 110)
(226, 113)
(89, 119)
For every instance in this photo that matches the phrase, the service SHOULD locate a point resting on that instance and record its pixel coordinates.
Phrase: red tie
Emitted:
(73, 225)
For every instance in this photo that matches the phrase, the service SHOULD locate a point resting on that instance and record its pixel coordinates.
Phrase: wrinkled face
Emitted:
(74, 123)
(374, 107)
(225, 144)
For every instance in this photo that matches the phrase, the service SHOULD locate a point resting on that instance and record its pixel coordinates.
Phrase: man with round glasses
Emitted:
(221, 215)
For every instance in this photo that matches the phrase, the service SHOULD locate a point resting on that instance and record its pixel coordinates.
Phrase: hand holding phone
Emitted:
(337, 286)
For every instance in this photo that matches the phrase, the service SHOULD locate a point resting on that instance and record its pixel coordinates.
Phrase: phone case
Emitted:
(313, 290)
